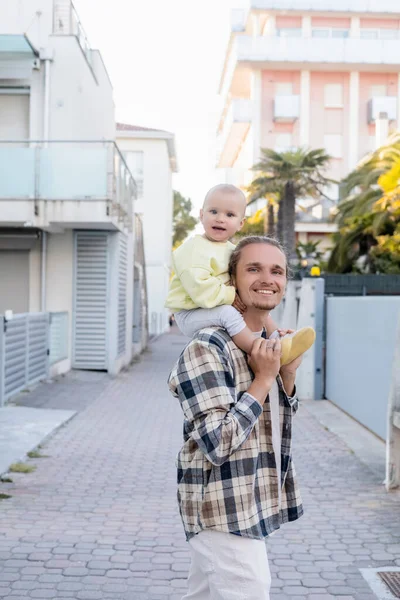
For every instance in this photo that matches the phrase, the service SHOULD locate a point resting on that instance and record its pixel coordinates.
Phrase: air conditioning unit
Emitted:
(382, 104)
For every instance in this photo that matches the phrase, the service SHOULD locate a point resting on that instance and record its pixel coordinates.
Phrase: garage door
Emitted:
(14, 116)
(14, 281)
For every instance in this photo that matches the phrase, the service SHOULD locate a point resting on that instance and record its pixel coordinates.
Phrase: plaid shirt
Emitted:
(227, 476)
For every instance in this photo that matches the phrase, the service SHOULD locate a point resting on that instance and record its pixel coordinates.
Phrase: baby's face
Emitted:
(222, 215)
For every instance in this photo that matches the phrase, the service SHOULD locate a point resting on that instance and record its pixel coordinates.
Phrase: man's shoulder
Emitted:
(213, 336)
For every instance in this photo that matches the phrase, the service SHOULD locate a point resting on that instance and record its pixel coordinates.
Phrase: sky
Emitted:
(165, 59)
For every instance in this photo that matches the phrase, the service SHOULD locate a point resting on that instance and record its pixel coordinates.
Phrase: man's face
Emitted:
(261, 276)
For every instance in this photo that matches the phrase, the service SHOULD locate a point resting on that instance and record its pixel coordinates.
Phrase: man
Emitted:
(236, 480)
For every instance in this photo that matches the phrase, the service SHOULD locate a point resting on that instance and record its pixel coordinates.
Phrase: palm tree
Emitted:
(288, 176)
(369, 216)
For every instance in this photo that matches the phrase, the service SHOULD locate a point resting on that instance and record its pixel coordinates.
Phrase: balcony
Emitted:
(356, 6)
(65, 184)
(382, 104)
(66, 22)
(236, 126)
(286, 109)
(320, 53)
(238, 20)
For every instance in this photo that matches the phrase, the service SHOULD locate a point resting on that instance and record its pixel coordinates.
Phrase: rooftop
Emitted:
(126, 131)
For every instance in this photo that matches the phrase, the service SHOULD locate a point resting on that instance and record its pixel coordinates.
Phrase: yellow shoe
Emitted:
(296, 343)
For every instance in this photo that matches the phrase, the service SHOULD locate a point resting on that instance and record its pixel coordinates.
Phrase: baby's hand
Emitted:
(238, 304)
(283, 332)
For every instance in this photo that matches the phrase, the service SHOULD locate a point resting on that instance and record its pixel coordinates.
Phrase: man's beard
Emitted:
(264, 305)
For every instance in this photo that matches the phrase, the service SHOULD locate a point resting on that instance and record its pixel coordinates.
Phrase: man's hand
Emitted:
(239, 305)
(264, 361)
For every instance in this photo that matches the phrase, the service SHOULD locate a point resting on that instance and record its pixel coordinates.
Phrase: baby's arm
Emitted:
(205, 290)
(272, 327)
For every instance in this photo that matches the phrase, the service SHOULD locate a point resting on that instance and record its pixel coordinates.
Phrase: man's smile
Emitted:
(265, 292)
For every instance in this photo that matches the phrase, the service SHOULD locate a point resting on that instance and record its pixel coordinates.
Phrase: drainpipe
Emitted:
(43, 277)
(46, 55)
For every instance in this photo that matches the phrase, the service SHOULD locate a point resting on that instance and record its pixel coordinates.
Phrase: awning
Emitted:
(17, 44)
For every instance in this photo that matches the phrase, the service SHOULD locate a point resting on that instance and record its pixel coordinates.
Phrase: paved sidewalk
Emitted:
(98, 518)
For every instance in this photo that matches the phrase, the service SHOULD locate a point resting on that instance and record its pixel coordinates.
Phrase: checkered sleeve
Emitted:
(220, 422)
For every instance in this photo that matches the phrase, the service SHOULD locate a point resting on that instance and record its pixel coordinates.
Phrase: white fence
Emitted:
(360, 345)
(24, 352)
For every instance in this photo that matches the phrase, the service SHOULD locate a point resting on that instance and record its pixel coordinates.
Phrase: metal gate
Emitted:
(122, 281)
(90, 323)
(24, 352)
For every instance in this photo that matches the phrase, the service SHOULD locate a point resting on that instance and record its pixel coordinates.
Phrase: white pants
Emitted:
(227, 567)
(191, 321)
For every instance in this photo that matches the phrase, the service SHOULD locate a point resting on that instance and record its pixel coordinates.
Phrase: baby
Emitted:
(200, 292)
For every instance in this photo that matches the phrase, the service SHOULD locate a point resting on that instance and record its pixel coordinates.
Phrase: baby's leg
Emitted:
(191, 321)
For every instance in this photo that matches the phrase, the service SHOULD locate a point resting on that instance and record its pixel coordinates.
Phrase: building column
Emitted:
(305, 108)
(256, 113)
(270, 26)
(256, 31)
(354, 118)
(306, 27)
(355, 27)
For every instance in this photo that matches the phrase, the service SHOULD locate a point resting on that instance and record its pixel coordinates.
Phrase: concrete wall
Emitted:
(81, 96)
(59, 285)
(156, 208)
(81, 101)
(360, 338)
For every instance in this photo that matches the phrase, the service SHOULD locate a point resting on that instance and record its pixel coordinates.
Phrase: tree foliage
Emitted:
(183, 221)
(368, 240)
(284, 177)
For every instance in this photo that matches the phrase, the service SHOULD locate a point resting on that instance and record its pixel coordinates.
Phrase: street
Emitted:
(98, 518)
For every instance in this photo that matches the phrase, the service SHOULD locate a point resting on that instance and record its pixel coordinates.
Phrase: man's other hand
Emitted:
(264, 359)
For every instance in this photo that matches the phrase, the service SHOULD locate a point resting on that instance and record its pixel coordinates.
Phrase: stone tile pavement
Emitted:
(98, 518)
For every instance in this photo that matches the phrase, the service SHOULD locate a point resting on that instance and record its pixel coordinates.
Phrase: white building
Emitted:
(151, 157)
(66, 193)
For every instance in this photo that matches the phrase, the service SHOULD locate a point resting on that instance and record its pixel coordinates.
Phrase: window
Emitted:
(340, 33)
(325, 32)
(320, 33)
(135, 161)
(283, 142)
(389, 34)
(289, 32)
(333, 143)
(378, 91)
(283, 89)
(333, 94)
(369, 34)
(382, 34)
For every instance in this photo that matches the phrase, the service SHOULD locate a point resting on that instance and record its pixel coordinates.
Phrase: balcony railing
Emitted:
(66, 22)
(235, 127)
(355, 6)
(68, 171)
(317, 50)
